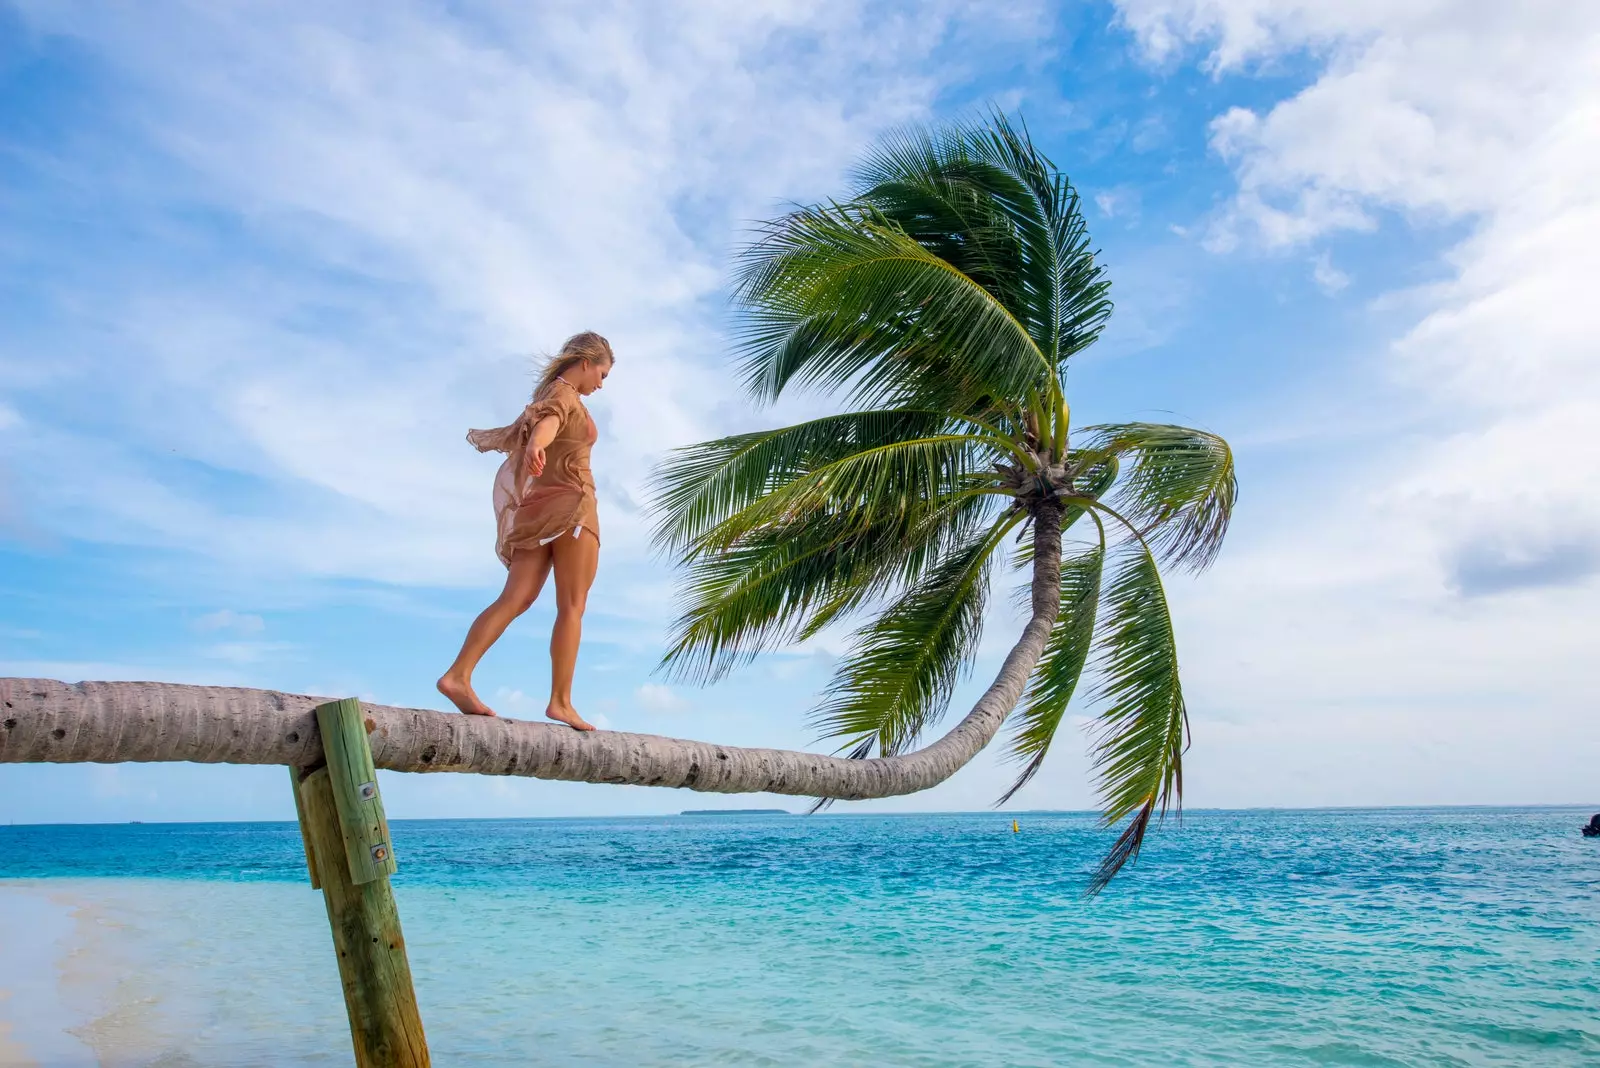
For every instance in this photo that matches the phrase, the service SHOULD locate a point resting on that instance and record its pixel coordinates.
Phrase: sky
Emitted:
(262, 266)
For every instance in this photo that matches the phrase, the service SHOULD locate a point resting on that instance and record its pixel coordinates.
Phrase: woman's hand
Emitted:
(533, 459)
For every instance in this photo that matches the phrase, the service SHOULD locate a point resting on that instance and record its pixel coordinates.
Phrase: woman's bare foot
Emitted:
(460, 693)
(568, 715)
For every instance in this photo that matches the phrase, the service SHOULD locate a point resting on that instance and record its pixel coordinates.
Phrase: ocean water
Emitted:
(1371, 937)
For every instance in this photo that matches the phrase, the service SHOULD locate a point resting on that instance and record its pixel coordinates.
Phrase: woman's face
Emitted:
(589, 376)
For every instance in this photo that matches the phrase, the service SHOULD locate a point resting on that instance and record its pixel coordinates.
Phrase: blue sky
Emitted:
(263, 266)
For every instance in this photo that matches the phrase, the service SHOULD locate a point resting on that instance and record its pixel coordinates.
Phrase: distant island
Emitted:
(735, 812)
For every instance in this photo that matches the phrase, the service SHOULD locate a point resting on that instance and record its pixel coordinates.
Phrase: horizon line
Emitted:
(702, 813)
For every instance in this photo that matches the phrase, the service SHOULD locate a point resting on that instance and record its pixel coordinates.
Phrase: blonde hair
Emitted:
(587, 347)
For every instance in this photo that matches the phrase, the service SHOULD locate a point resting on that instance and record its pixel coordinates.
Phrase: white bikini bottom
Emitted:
(575, 532)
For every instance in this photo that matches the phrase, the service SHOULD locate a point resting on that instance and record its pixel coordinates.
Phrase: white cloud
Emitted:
(228, 619)
(517, 704)
(1447, 111)
(659, 698)
(1439, 585)
(242, 652)
(1329, 278)
(1118, 203)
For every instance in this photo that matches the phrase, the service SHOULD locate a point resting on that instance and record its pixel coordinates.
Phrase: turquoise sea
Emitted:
(1361, 937)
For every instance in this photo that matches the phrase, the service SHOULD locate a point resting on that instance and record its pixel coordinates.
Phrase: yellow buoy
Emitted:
(1014, 828)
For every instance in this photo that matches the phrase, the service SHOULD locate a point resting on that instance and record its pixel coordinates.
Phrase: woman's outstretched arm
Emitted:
(544, 432)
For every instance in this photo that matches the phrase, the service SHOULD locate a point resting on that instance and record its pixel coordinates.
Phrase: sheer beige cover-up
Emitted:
(534, 510)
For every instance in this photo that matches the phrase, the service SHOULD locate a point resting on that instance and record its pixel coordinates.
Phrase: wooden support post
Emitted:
(305, 829)
(349, 854)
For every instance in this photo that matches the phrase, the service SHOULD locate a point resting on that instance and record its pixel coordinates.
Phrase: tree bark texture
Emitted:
(112, 722)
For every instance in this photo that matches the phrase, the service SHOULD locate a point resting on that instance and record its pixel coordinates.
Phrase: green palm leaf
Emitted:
(1067, 290)
(786, 582)
(1178, 486)
(702, 485)
(900, 675)
(1140, 735)
(884, 480)
(985, 198)
(842, 299)
(934, 186)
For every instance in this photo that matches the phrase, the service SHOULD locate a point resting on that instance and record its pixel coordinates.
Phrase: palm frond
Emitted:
(785, 582)
(1178, 486)
(931, 184)
(701, 485)
(1141, 732)
(1068, 289)
(1056, 678)
(984, 197)
(885, 480)
(841, 299)
(906, 663)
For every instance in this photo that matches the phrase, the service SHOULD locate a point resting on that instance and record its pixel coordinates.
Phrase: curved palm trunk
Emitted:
(113, 722)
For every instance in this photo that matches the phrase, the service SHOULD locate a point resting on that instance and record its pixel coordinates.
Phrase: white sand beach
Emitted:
(87, 975)
(47, 944)
(134, 973)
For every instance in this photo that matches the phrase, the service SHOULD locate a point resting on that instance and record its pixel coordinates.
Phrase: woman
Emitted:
(546, 521)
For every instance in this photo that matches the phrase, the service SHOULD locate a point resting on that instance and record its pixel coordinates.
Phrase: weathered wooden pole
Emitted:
(349, 855)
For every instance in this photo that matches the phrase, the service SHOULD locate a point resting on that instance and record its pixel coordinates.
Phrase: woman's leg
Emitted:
(575, 562)
(523, 582)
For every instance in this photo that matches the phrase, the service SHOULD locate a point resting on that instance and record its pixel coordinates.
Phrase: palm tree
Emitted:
(942, 303)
